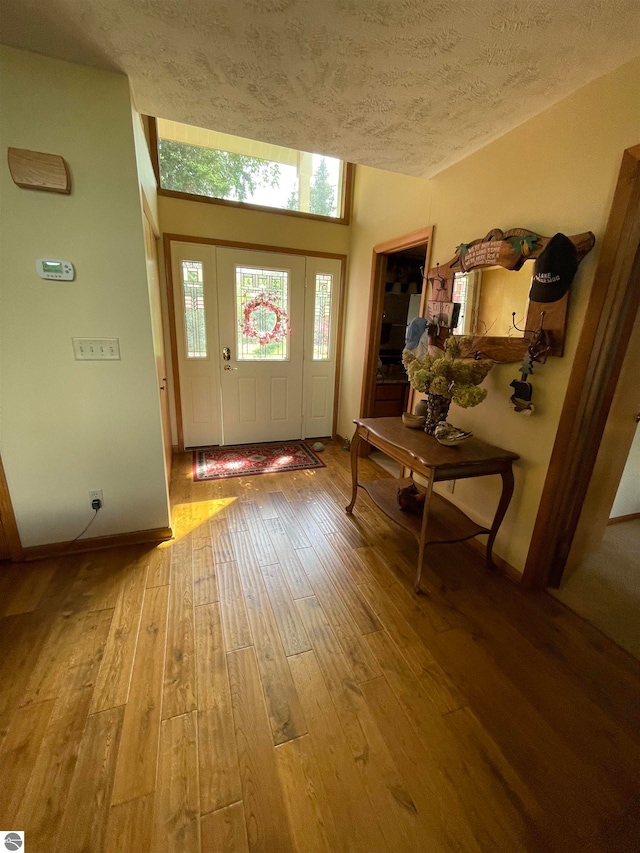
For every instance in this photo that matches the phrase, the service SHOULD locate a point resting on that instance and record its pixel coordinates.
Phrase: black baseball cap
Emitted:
(554, 270)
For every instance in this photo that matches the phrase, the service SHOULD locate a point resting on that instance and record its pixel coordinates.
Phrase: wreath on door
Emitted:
(251, 326)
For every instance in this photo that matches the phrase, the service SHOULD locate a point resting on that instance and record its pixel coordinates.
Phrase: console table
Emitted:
(441, 521)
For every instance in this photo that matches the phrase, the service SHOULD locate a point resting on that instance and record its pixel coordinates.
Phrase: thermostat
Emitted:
(58, 270)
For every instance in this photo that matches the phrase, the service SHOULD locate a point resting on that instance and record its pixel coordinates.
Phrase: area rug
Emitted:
(245, 460)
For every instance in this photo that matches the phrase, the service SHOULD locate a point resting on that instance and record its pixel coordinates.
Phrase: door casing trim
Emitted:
(11, 536)
(169, 238)
(376, 301)
(613, 305)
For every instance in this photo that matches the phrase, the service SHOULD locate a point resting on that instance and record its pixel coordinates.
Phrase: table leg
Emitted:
(355, 444)
(505, 499)
(423, 533)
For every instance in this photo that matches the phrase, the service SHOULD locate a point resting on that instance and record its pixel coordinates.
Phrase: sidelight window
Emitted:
(193, 302)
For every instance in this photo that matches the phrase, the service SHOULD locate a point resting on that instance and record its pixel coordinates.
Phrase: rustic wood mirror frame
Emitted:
(509, 249)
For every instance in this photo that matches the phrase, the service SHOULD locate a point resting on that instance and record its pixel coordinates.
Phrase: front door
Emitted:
(261, 330)
(256, 336)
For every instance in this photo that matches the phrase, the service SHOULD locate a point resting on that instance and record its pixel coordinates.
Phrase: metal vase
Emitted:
(437, 410)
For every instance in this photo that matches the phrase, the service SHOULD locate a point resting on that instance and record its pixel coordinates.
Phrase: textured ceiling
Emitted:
(406, 85)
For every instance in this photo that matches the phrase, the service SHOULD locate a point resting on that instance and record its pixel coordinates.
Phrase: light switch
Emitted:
(96, 349)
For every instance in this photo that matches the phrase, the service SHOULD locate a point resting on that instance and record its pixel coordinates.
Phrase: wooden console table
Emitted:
(441, 521)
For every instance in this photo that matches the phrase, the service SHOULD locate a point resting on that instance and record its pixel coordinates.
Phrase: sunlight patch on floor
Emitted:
(187, 517)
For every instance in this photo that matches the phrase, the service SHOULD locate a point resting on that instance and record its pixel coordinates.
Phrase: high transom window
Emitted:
(217, 166)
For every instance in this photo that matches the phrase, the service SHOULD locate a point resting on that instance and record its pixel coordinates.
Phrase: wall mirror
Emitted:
(488, 297)
(491, 277)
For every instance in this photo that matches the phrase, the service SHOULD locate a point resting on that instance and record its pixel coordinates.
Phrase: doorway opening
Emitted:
(600, 395)
(601, 581)
(397, 296)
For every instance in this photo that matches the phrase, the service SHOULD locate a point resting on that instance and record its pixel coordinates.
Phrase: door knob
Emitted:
(228, 367)
(226, 353)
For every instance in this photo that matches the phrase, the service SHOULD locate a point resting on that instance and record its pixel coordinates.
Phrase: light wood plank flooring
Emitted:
(269, 682)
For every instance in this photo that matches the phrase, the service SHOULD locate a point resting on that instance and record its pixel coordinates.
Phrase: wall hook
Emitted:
(539, 345)
(537, 331)
(442, 282)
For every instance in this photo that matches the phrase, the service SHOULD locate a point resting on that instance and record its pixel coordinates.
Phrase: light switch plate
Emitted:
(96, 349)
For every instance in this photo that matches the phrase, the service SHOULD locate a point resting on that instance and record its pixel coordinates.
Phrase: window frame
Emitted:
(348, 173)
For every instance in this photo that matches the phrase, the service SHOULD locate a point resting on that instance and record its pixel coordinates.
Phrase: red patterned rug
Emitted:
(244, 460)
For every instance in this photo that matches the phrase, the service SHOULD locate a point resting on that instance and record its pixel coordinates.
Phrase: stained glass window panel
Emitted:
(253, 284)
(322, 317)
(193, 301)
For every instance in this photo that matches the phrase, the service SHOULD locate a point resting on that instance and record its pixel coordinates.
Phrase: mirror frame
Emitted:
(509, 249)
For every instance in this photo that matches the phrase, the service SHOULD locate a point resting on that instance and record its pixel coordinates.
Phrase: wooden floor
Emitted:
(269, 682)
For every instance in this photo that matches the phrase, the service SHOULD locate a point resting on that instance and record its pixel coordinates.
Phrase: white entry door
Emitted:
(257, 340)
(260, 295)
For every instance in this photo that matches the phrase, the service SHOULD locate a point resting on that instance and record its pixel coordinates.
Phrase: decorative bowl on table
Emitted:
(413, 421)
(450, 436)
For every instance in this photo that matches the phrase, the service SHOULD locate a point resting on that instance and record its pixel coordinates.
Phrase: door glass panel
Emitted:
(262, 314)
(322, 317)
(193, 302)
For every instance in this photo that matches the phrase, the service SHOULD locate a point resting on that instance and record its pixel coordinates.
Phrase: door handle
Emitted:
(228, 367)
(226, 353)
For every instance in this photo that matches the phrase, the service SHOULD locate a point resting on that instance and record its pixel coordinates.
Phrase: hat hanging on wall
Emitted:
(554, 270)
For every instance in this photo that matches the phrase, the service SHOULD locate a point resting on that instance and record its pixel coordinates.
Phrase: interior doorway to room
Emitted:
(255, 343)
(601, 405)
(601, 581)
(397, 296)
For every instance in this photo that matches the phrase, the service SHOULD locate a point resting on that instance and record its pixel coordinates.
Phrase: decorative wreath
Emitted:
(250, 327)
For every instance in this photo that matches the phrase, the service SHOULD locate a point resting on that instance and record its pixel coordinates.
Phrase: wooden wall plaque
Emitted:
(33, 170)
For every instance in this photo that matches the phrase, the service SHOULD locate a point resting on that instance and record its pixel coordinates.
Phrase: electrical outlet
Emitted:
(451, 485)
(96, 495)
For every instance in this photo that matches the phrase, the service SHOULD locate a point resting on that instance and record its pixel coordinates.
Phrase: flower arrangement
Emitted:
(451, 373)
(250, 326)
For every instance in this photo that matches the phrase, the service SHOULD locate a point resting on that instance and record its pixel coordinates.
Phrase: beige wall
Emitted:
(557, 172)
(200, 219)
(386, 205)
(69, 426)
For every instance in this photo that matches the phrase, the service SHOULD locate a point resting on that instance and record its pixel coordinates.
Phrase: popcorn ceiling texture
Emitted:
(406, 85)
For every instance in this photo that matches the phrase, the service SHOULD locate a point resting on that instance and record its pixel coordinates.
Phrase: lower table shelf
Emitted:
(446, 522)
(425, 457)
